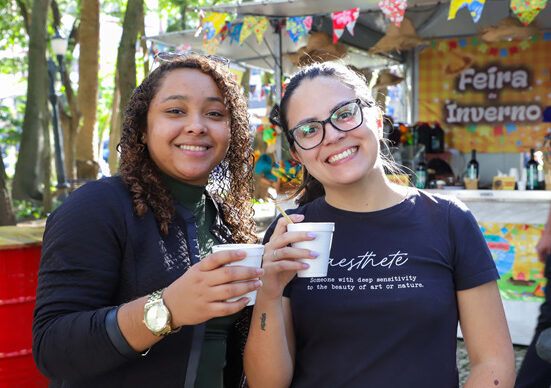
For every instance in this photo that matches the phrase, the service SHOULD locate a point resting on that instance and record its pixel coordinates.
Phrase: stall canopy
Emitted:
(429, 17)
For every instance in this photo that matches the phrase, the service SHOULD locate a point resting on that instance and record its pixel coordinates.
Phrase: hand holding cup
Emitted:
(280, 259)
(201, 292)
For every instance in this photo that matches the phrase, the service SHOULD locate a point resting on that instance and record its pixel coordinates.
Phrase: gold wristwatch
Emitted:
(156, 315)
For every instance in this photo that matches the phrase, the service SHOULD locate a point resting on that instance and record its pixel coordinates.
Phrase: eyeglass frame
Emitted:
(173, 56)
(323, 123)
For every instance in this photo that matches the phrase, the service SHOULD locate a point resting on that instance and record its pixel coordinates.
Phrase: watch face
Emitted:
(156, 317)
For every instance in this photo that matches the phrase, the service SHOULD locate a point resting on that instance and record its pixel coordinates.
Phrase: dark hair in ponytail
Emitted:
(311, 188)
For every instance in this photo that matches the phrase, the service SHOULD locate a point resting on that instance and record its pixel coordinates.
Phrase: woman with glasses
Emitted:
(405, 265)
(128, 292)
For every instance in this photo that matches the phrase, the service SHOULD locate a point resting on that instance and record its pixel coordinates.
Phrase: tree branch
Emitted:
(55, 15)
(24, 13)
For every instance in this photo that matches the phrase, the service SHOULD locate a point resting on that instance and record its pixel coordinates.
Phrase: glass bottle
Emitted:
(472, 166)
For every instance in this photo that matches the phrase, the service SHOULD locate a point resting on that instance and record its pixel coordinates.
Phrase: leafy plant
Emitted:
(27, 210)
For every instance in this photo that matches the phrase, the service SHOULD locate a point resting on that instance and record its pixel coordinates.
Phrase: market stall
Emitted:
(472, 67)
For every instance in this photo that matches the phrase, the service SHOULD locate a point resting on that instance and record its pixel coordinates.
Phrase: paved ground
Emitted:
(463, 361)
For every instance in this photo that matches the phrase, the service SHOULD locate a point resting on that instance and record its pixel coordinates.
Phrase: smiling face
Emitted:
(343, 158)
(188, 126)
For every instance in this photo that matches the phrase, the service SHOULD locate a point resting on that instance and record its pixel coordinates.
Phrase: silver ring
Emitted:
(275, 254)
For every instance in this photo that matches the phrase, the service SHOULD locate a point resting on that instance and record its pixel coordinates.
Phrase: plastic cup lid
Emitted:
(312, 227)
(253, 249)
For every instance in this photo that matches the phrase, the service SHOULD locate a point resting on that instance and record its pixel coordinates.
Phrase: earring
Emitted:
(143, 138)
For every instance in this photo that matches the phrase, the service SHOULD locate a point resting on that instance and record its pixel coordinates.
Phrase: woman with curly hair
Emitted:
(128, 294)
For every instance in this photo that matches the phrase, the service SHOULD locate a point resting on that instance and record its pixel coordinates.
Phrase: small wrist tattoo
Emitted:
(263, 321)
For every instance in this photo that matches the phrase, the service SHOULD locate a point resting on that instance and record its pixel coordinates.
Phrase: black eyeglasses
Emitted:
(168, 56)
(345, 117)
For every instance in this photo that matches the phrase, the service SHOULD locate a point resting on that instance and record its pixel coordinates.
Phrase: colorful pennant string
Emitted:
(527, 10)
(235, 32)
(224, 32)
(211, 46)
(253, 24)
(344, 19)
(212, 23)
(394, 10)
(297, 27)
(475, 8)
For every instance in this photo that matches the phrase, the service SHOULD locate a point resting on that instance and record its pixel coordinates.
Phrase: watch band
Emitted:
(157, 298)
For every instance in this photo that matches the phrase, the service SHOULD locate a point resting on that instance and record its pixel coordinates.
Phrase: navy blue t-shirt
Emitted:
(386, 314)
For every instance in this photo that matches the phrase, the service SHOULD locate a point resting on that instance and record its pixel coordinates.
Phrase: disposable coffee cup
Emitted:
(252, 259)
(321, 244)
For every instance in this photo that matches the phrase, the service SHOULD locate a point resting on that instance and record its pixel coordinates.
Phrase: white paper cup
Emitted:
(321, 244)
(252, 259)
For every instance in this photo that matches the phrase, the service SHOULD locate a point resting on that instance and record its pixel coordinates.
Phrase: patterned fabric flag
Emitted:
(475, 8)
(183, 48)
(256, 24)
(155, 48)
(235, 32)
(225, 30)
(394, 10)
(212, 23)
(527, 10)
(298, 27)
(211, 46)
(344, 19)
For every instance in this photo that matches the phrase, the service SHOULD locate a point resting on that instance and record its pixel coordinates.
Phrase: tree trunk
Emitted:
(246, 84)
(183, 15)
(88, 69)
(126, 65)
(115, 128)
(70, 121)
(69, 115)
(27, 177)
(7, 215)
(47, 200)
(143, 45)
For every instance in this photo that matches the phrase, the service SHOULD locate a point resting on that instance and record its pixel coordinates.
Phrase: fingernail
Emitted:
(258, 283)
(314, 254)
(298, 217)
(304, 265)
(259, 271)
(311, 235)
(239, 252)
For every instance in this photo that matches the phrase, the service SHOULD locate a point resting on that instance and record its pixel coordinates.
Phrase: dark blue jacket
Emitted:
(97, 254)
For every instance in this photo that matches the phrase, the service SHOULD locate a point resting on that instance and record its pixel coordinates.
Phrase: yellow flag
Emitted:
(213, 23)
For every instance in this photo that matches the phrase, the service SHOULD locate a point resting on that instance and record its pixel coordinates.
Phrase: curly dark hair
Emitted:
(230, 183)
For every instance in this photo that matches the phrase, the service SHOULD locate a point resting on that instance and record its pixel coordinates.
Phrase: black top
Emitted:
(96, 255)
(386, 314)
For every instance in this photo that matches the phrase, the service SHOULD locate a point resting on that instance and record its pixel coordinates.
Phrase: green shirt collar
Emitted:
(190, 196)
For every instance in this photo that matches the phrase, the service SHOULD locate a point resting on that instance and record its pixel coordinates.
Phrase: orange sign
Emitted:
(488, 96)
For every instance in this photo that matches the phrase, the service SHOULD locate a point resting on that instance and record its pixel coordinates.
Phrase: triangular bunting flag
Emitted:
(341, 20)
(211, 46)
(256, 24)
(235, 32)
(527, 10)
(225, 30)
(298, 27)
(213, 23)
(394, 10)
(475, 8)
